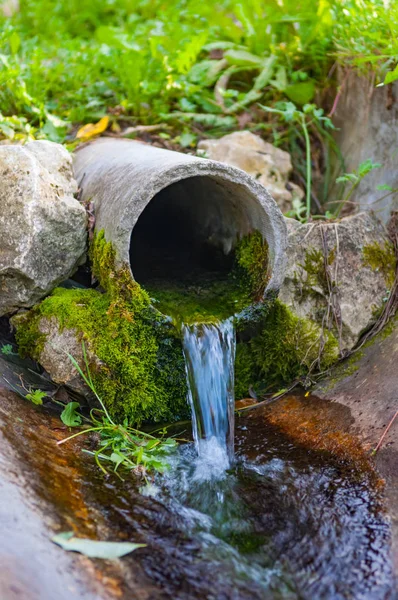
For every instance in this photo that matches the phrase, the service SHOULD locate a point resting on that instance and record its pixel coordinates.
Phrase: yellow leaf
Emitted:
(306, 394)
(91, 129)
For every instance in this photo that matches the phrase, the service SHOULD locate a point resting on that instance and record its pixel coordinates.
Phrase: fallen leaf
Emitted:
(94, 548)
(92, 129)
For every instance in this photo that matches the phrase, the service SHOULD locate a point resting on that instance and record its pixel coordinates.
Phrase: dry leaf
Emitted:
(92, 129)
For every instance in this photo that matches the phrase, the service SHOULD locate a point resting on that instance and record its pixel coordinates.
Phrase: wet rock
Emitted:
(267, 164)
(344, 291)
(54, 354)
(42, 225)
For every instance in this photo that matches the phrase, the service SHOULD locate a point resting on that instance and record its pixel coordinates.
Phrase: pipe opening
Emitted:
(188, 231)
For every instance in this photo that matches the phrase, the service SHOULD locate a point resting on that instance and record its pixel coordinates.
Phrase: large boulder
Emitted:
(270, 166)
(339, 274)
(42, 225)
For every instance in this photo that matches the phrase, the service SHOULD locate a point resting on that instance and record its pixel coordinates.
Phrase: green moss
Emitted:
(313, 273)
(214, 297)
(285, 348)
(211, 301)
(381, 258)
(142, 371)
(252, 264)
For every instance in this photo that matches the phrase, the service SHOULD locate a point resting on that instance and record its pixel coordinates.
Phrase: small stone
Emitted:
(269, 165)
(42, 226)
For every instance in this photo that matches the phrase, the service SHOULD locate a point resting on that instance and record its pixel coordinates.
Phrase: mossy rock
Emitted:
(339, 274)
(139, 369)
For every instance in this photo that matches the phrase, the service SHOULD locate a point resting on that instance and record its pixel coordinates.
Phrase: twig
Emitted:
(338, 95)
(270, 400)
(384, 434)
(144, 129)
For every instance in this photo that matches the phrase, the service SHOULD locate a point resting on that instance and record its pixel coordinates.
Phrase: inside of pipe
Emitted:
(189, 230)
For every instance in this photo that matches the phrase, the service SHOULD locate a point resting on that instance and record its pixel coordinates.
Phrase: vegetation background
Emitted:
(190, 69)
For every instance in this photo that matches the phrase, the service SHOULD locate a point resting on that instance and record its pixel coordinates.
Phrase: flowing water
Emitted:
(210, 355)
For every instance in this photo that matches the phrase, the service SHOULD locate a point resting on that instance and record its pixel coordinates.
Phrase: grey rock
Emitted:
(58, 344)
(357, 290)
(269, 165)
(42, 225)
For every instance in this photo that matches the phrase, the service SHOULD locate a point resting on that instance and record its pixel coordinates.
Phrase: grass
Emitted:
(120, 445)
(191, 66)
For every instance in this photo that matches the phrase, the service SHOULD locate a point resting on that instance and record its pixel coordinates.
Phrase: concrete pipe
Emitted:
(163, 209)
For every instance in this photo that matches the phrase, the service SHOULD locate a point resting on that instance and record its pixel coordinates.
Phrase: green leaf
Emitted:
(301, 93)
(347, 177)
(93, 548)
(7, 349)
(391, 76)
(265, 74)
(70, 416)
(280, 81)
(367, 166)
(384, 187)
(15, 42)
(241, 58)
(36, 396)
(187, 139)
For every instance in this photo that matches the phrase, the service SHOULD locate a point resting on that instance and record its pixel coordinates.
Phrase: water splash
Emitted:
(210, 355)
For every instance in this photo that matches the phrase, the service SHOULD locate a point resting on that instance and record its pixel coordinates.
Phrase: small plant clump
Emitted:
(286, 347)
(120, 445)
(140, 371)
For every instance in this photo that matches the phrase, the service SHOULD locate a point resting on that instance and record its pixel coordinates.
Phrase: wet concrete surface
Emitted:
(42, 492)
(368, 388)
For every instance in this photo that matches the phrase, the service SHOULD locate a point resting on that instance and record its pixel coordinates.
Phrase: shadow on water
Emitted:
(284, 522)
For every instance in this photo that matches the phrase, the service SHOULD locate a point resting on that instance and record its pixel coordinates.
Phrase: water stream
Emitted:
(210, 355)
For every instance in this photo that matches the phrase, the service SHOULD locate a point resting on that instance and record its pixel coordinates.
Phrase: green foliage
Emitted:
(285, 348)
(309, 116)
(70, 416)
(7, 350)
(36, 396)
(140, 371)
(120, 444)
(354, 179)
(196, 65)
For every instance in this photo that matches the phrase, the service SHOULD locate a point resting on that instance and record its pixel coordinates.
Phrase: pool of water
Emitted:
(280, 522)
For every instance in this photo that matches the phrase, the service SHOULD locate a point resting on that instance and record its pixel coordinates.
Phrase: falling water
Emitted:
(210, 355)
